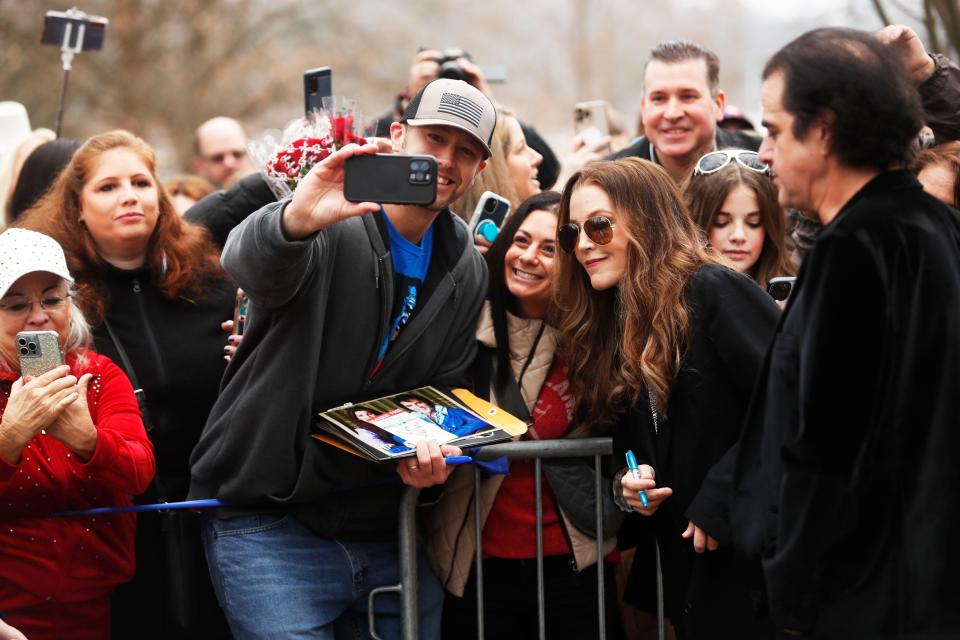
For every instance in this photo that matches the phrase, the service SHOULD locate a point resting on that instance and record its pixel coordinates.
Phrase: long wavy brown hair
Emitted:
(705, 198)
(622, 340)
(182, 259)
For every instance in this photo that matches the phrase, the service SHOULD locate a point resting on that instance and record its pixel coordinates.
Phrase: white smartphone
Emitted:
(492, 209)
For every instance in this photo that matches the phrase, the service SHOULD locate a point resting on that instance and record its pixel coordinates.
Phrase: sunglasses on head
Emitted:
(598, 228)
(716, 160)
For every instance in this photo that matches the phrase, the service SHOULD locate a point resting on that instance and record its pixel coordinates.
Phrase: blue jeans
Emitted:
(275, 578)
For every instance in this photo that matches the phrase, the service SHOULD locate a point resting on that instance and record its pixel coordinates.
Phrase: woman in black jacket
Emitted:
(663, 343)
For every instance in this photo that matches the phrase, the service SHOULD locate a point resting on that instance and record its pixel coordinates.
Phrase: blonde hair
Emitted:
(496, 176)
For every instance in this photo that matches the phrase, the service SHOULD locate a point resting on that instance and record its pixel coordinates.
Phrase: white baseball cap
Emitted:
(14, 125)
(23, 251)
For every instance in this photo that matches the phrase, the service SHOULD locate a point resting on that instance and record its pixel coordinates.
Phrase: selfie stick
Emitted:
(66, 56)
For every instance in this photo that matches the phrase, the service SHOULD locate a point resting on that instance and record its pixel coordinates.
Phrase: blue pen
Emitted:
(458, 459)
(635, 470)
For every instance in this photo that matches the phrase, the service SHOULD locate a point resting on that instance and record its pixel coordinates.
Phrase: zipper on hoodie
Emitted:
(386, 306)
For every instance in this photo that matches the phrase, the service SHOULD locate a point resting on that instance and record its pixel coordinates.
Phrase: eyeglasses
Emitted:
(23, 308)
(598, 228)
(218, 158)
(716, 160)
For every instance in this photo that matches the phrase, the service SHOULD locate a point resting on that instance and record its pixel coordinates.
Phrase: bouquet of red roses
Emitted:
(286, 157)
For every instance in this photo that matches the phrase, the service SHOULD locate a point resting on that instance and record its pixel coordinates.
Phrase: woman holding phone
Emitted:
(151, 286)
(71, 438)
(663, 343)
(511, 171)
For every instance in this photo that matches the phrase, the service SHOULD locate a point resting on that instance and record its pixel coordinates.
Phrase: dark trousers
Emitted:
(141, 607)
(510, 602)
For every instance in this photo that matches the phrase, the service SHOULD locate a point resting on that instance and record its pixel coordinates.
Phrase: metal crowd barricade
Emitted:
(539, 449)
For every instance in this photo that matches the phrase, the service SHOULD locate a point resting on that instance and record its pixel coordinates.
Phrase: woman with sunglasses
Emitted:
(518, 369)
(733, 199)
(663, 343)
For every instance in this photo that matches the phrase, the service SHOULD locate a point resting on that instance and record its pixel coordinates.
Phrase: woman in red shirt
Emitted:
(71, 438)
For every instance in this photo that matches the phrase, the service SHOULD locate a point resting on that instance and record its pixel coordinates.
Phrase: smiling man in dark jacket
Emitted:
(847, 481)
(348, 302)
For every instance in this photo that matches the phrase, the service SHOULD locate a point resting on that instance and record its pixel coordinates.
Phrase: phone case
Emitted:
(240, 312)
(317, 85)
(39, 352)
(591, 115)
(390, 178)
(492, 209)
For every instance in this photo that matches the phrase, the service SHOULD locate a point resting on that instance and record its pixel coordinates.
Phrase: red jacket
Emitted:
(44, 560)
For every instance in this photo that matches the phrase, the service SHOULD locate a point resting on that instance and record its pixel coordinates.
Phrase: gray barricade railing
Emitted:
(537, 450)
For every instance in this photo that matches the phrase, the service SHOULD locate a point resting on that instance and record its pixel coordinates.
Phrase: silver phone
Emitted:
(39, 352)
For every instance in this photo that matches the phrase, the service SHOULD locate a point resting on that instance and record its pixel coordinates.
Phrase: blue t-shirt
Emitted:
(410, 265)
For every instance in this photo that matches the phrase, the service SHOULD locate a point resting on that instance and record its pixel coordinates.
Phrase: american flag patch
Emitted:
(461, 107)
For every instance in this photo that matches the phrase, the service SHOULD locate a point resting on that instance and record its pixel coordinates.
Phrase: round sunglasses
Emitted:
(598, 228)
(716, 160)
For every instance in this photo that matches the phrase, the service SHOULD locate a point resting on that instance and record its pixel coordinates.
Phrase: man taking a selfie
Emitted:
(349, 301)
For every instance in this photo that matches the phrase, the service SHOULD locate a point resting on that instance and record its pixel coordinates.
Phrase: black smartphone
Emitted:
(492, 209)
(317, 85)
(76, 29)
(781, 287)
(391, 178)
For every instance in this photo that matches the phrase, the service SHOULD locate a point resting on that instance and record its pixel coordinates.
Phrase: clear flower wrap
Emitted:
(285, 157)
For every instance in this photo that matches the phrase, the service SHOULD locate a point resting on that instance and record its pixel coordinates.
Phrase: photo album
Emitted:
(389, 428)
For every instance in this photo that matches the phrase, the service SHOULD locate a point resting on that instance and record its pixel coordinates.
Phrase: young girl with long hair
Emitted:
(735, 203)
(663, 343)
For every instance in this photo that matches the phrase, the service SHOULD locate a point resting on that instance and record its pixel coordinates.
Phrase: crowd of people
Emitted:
(794, 474)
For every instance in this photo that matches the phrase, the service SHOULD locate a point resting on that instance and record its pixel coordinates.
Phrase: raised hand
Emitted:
(905, 42)
(318, 200)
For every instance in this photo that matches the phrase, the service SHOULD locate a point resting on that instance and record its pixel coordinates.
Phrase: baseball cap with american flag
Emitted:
(454, 103)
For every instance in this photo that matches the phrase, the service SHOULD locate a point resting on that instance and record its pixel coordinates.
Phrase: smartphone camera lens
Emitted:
(22, 342)
(490, 205)
(23, 351)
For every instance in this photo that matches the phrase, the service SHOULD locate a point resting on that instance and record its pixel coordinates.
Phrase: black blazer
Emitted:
(731, 323)
(847, 478)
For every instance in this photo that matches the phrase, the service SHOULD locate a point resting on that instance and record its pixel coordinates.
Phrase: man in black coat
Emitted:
(847, 481)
